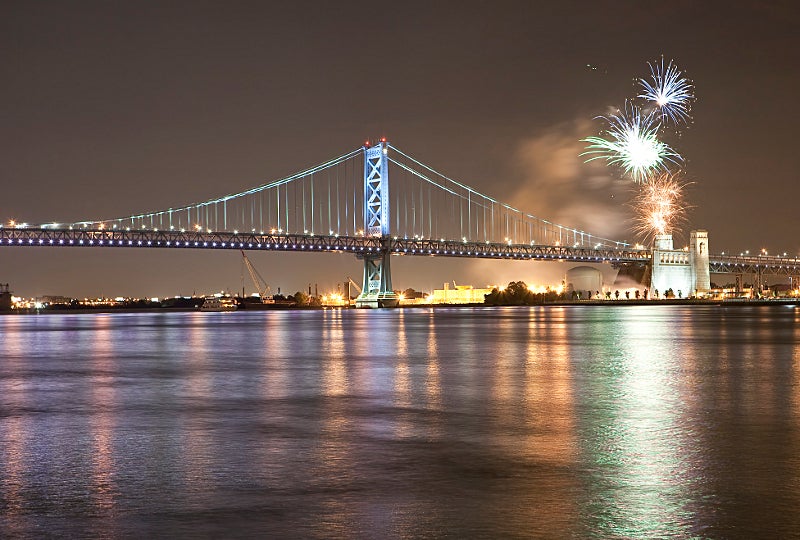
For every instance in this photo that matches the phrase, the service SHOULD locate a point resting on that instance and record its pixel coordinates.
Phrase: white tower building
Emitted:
(686, 272)
(698, 245)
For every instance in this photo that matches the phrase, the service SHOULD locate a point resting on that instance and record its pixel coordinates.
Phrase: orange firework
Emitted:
(659, 206)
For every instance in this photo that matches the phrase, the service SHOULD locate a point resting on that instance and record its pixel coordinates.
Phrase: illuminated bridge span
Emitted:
(310, 243)
(84, 237)
(349, 196)
(761, 264)
(345, 205)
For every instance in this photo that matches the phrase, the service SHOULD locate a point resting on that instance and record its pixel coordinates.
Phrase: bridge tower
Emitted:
(377, 285)
(687, 271)
(698, 243)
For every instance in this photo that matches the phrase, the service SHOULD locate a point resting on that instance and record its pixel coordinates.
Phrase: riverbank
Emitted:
(618, 303)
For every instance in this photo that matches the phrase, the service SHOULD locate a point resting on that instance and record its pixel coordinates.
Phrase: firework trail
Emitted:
(659, 206)
(669, 90)
(632, 143)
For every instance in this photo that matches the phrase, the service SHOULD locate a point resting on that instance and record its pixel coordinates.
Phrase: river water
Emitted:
(543, 422)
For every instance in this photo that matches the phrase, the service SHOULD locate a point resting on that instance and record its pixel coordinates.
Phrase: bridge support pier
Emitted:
(377, 289)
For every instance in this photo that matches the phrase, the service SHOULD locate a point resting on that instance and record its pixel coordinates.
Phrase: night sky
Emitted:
(114, 108)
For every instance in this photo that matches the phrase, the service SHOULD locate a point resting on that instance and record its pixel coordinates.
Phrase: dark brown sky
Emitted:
(110, 108)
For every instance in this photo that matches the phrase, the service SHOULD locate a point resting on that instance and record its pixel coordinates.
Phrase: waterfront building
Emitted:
(461, 294)
(5, 297)
(583, 278)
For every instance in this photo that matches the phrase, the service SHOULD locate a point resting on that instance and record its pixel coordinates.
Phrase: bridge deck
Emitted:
(94, 238)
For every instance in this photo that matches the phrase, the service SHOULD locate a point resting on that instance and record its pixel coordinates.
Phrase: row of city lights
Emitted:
(198, 228)
(763, 253)
(336, 235)
(413, 251)
(168, 243)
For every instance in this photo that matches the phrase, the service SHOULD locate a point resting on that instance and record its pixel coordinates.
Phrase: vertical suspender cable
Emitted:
(430, 213)
(338, 213)
(330, 223)
(312, 203)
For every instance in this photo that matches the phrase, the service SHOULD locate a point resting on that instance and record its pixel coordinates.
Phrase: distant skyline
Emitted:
(111, 109)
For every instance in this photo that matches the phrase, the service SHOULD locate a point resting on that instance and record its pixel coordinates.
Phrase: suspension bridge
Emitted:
(346, 205)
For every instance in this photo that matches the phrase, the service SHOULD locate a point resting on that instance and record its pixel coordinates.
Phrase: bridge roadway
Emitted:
(764, 264)
(364, 245)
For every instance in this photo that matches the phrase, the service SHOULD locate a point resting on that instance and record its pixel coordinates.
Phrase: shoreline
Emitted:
(618, 303)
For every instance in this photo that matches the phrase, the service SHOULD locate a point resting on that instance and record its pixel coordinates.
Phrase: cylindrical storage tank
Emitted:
(584, 278)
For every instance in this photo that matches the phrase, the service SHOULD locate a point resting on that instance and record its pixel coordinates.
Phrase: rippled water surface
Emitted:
(582, 422)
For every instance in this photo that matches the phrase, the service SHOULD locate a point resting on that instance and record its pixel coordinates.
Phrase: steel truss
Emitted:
(186, 240)
(361, 245)
(780, 266)
(489, 250)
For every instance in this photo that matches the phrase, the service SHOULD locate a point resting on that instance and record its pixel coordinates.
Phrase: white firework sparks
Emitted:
(633, 144)
(669, 90)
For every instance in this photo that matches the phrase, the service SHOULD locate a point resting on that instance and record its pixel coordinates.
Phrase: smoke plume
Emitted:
(553, 181)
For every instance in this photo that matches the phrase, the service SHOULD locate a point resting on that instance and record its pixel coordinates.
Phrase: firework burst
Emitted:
(632, 143)
(659, 206)
(669, 90)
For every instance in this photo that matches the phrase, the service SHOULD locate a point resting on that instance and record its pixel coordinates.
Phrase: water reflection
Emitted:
(633, 422)
(638, 489)
(15, 427)
(197, 448)
(402, 381)
(550, 413)
(549, 438)
(433, 383)
(334, 361)
(102, 390)
(796, 364)
(332, 461)
(279, 339)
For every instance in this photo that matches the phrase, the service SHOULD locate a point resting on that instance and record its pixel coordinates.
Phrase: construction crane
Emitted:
(258, 282)
(354, 284)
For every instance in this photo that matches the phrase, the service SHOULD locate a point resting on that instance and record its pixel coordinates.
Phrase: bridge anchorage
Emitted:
(681, 270)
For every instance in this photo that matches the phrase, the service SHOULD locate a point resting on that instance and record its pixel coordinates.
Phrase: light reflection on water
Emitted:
(102, 423)
(599, 422)
(638, 447)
